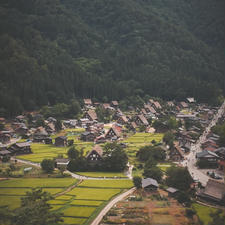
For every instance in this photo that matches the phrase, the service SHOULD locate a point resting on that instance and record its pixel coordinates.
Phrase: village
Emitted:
(183, 132)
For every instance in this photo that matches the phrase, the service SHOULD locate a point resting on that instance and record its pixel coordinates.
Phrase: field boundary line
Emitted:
(98, 219)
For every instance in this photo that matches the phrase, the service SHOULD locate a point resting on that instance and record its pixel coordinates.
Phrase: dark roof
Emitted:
(214, 189)
(115, 103)
(23, 144)
(62, 137)
(143, 119)
(92, 114)
(98, 149)
(87, 101)
(171, 190)
(62, 160)
(149, 181)
(4, 152)
(206, 153)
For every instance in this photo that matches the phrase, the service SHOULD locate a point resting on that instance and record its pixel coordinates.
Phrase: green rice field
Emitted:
(107, 184)
(78, 205)
(101, 174)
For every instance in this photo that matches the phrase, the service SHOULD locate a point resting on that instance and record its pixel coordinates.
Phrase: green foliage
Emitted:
(35, 210)
(179, 178)
(153, 172)
(53, 51)
(220, 130)
(154, 152)
(218, 218)
(168, 137)
(48, 165)
(73, 153)
(137, 181)
(115, 157)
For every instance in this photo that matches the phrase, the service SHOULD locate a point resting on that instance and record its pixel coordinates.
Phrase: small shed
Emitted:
(61, 141)
(172, 191)
(149, 184)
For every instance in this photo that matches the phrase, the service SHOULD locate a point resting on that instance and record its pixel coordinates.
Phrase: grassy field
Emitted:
(79, 205)
(86, 200)
(38, 182)
(42, 151)
(101, 174)
(107, 184)
(93, 193)
(138, 140)
(79, 211)
(12, 190)
(203, 212)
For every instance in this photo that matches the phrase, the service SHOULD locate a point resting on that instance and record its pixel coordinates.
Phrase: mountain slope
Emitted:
(52, 51)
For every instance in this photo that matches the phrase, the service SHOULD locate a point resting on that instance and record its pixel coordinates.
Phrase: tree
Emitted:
(48, 165)
(73, 153)
(153, 172)
(179, 178)
(218, 218)
(36, 210)
(115, 158)
(58, 125)
(168, 137)
(137, 182)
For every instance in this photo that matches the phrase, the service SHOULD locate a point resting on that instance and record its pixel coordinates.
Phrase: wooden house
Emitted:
(114, 104)
(96, 154)
(207, 156)
(61, 162)
(122, 120)
(87, 102)
(4, 153)
(61, 141)
(91, 115)
(87, 136)
(20, 148)
(4, 137)
(172, 192)
(176, 153)
(214, 191)
(149, 184)
(141, 120)
(113, 132)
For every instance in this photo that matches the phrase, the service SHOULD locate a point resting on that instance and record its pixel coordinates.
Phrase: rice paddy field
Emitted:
(138, 140)
(79, 205)
(12, 190)
(42, 151)
(101, 174)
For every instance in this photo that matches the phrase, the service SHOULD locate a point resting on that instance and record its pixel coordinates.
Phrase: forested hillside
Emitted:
(55, 50)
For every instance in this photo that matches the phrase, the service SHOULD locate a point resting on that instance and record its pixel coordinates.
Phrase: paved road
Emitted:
(77, 176)
(191, 158)
(98, 219)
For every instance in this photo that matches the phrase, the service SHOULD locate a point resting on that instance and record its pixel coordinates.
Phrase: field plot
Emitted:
(38, 182)
(42, 151)
(83, 202)
(86, 203)
(79, 211)
(138, 140)
(101, 174)
(93, 193)
(203, 212)
(146, 138)
(12, 190)
(107, 184)
(148, 210)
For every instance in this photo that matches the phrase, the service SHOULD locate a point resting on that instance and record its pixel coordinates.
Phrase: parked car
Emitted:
(213, 175)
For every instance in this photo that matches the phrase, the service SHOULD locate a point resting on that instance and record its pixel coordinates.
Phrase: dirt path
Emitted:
(68, 189)
(98, 219)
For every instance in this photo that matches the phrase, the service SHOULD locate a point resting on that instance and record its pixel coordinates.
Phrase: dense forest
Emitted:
(56, 50)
